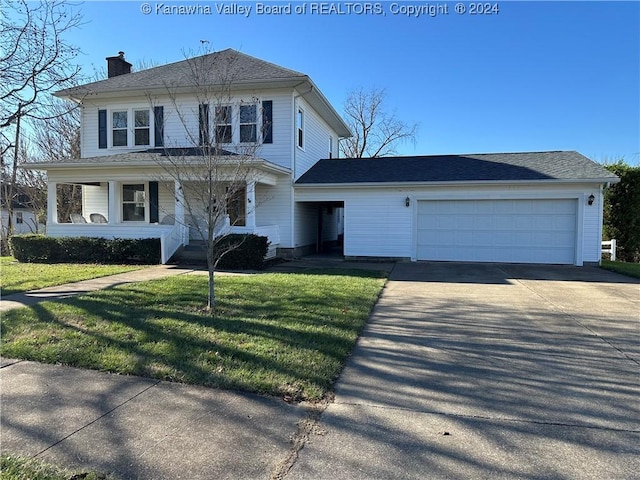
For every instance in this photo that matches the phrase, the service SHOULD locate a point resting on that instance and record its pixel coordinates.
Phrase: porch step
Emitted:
(194, 254)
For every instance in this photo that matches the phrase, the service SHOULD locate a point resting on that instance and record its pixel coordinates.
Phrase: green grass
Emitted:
(625, 268)
(18, 277)
(286, 335)
(20, 468)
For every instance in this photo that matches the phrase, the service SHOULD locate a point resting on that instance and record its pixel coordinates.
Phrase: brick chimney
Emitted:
(117, 65)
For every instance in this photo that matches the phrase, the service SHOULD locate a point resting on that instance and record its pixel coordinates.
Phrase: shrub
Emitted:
(622, 211)
(241, 251)
(38, 248)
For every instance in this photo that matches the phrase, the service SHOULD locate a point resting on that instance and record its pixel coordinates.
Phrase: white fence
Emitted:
(609, 247)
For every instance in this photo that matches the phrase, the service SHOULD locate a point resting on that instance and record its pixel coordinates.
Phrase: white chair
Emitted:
(97, 218)
(77, 218)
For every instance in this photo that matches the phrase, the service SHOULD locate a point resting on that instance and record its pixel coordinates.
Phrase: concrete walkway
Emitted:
(32, 297)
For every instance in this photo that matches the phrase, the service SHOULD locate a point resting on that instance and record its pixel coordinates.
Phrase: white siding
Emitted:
(273, 207)
(95, 200)
(166, 199)
(316, 139)
(377, 222)
(181, 124)
(28, 224)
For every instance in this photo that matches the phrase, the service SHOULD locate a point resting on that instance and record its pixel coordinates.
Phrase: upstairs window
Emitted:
(142, 125)
(300, 125)
(248, 123)
(224, 130)
(119, 126)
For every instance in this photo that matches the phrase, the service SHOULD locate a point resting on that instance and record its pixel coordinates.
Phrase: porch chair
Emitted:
(168, 220)
(77, 218)
(97, 218)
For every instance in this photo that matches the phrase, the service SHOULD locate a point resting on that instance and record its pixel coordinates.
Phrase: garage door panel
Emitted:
(515, 231)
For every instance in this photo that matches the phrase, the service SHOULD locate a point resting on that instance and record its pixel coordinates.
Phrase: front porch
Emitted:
(142, 208)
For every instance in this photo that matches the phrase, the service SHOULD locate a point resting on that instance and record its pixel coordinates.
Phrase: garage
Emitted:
(509, 231)
(527, 207)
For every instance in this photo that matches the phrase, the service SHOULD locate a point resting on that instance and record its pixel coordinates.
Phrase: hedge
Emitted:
(32, 248)
(622, 211)
(241, 251)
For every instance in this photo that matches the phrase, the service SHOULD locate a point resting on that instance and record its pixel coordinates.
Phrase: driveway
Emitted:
(489, 371)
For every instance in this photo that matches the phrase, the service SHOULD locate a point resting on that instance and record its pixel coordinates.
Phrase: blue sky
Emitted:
(535, 76)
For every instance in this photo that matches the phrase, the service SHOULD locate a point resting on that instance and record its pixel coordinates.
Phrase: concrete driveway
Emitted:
(476, 371)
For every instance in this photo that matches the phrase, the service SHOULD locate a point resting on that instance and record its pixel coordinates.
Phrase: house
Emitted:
(523, 207)
(24, 218)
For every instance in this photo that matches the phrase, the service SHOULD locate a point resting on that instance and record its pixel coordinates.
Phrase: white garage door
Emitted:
(509, 231)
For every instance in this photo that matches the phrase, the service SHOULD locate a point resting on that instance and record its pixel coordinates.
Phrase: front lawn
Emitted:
(18, 277)
(285, 335)
(625, 268)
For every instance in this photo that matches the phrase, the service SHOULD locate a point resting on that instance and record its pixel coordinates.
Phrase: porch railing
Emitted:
(172, 240)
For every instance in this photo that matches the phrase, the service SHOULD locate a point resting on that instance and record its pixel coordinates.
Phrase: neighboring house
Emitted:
(24, 217)
(529, 207)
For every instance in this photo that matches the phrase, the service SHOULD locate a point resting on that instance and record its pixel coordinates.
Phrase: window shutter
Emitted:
(267, 121)
(102, 129)
(158, 116)
(203, 123)
(153, 202)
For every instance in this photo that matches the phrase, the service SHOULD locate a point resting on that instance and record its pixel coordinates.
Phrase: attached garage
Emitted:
(508, 231)
(532, 207)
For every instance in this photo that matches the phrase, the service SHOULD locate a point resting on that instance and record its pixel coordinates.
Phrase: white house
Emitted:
(523, 207)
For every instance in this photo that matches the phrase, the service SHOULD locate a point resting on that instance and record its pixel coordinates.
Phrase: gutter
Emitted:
(455, 183)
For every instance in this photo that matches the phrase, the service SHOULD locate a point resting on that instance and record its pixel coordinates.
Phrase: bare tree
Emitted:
(55, 138)
(35, 60)
(215, 167)
(376, 131)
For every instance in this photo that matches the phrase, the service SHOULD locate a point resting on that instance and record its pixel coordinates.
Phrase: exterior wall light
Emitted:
(591, 199)
(407, 202)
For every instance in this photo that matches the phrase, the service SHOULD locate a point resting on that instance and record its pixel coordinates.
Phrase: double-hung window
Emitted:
(133, 200)
(119, 126)
(248, 123)
(224, 130)
(122, 120)
(142, 127)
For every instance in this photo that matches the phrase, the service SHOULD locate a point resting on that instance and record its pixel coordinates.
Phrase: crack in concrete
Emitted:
(308, 426)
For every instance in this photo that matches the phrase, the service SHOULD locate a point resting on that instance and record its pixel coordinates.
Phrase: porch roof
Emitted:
(158, 157)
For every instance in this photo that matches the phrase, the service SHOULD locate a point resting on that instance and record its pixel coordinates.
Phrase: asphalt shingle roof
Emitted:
(527, 166)
(218, 68)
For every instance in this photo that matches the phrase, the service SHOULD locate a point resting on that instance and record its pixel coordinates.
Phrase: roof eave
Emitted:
(82, 92)
(555, 181)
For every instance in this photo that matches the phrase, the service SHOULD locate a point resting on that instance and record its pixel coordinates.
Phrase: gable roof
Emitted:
(214, 69)
(566, 166)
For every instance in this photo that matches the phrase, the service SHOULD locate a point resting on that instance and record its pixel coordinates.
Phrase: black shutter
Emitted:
(158, 117)
(102, 129)
(267, 121)
(153, 202)
(203, 123)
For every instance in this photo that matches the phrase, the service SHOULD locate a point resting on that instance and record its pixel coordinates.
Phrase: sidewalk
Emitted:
(32, 297)
(141, 428)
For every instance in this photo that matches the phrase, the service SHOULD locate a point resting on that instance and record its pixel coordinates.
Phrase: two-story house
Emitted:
(539, 207)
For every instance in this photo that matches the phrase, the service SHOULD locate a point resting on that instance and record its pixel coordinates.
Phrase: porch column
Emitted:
(178, 209)
(251, 204)
(52, 203)
(113, 202)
